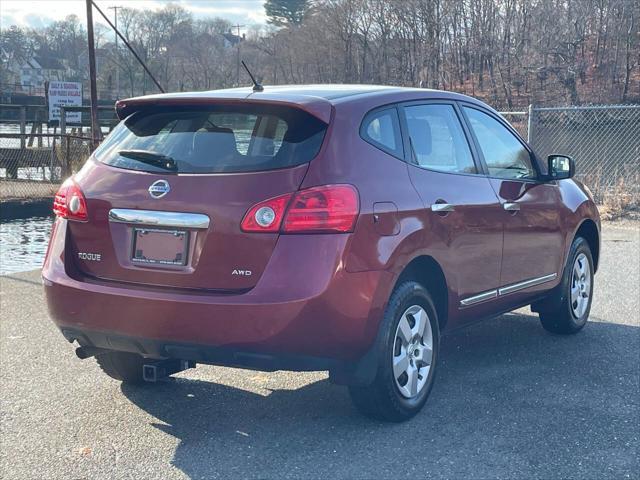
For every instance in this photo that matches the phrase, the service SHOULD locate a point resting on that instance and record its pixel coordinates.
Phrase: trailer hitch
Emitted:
(155, 370)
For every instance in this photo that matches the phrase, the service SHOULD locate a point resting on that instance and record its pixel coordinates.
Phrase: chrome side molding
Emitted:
(506, 290)
(526, 284)
(159, 219)
(479, 298)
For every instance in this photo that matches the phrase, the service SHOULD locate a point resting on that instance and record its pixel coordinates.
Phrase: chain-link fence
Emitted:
(604, 141)
(519, 121)
(33, 165)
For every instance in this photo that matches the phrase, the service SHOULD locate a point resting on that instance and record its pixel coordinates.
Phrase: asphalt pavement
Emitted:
(509, 401)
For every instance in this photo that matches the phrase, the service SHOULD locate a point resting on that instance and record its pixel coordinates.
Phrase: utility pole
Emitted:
(128, 45)
(115, 22)
(95, 125)
(238, 27)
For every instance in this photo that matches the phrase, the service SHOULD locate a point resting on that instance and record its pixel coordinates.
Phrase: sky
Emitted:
(38, 13)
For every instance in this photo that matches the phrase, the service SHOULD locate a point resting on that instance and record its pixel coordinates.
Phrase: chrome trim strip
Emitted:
(532, 282)
(159, 219)
(479, 298)
(491, 294)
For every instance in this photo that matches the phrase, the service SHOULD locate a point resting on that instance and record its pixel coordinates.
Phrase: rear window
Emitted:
(218, 139)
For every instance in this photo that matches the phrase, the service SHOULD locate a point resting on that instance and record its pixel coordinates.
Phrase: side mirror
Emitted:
(560, 167)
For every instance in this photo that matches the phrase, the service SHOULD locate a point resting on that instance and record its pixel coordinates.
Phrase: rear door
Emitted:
(533, 240)
(461, 205)
(167, 190)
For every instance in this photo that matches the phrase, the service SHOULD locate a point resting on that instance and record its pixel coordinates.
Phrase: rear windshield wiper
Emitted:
(151, 158)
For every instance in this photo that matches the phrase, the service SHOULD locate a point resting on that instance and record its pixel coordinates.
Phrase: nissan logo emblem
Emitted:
(159, 188)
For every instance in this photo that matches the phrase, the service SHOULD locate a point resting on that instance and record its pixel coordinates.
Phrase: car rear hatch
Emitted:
(167, 190)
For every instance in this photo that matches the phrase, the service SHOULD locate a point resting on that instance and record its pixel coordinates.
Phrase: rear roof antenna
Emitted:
(256, 86)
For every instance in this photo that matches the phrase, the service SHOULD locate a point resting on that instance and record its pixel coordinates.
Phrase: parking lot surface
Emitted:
(510, 400)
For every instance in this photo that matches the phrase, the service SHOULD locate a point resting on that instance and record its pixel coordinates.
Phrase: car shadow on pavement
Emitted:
(509, 400)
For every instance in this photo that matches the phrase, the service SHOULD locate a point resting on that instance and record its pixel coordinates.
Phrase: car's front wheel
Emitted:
(568, 309)
(407, 355)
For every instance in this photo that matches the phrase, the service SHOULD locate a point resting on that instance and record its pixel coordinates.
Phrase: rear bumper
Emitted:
(304, 305)
(212, 355)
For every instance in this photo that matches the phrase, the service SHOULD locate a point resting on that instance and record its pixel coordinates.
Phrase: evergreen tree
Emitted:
(286, 12)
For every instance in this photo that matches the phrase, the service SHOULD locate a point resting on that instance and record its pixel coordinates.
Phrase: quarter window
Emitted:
(437, 139)
(382, 130)
(503, 153)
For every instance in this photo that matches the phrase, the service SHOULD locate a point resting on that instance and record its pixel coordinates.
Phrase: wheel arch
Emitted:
(589, 231)
(425, 270)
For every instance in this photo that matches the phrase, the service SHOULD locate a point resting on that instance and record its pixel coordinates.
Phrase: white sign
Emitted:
(63, 94)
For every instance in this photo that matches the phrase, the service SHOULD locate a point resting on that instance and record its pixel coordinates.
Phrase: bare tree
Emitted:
(508, 52)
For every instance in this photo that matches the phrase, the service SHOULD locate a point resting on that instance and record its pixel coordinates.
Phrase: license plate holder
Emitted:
(153, 246)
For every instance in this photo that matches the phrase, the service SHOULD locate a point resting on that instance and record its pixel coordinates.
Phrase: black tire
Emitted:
(123, 366)
(557, 313)
(382, 399)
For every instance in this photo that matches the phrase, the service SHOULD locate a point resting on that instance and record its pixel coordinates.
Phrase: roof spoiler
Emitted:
(316, 106)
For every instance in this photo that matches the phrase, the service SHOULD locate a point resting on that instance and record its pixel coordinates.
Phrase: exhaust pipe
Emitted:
(88, 352)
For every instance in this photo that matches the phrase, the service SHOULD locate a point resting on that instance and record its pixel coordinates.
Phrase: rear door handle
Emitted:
(511, 206)
(442, 207)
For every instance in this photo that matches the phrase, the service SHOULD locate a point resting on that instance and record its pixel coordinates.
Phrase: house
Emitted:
(231, 40)
(38, 70)
(10, 72)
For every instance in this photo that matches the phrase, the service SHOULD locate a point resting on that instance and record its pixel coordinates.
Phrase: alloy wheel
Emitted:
(580, 286)
(413, 351)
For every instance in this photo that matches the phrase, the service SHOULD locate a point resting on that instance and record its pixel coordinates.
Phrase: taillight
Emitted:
(330, 208)
(266, 216)
(70, 203)
(325, 209)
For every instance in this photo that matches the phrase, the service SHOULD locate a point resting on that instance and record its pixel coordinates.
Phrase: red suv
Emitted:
(339, 228)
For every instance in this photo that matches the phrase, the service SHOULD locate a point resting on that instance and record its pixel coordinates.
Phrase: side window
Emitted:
(382, 130)
(505, 156)
(437, 139)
